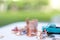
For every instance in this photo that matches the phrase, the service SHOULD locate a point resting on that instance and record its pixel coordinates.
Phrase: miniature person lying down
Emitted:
(20, 31)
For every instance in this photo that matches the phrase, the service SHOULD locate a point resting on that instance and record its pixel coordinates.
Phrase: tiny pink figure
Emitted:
(15, 30)
(19, 31)
(43, 34)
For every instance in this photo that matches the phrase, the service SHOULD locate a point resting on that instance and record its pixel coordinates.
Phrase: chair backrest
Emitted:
(33, 24)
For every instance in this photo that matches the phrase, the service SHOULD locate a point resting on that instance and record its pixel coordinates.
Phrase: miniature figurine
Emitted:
(15, 30)
(22, 31)
(43, 34)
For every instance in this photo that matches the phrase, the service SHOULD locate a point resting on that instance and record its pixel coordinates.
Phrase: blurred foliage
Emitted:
(28, 3)
(20, 15)
(11, 17)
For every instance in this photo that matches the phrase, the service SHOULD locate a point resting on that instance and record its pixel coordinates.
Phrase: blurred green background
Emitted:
(16, 11)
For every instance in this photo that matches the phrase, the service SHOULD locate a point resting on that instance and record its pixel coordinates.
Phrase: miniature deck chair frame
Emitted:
(31, 27)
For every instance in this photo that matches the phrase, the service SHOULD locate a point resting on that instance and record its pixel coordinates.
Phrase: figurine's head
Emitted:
(44, 30)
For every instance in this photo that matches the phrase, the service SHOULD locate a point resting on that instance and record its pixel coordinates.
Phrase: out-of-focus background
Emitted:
(12, 11)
